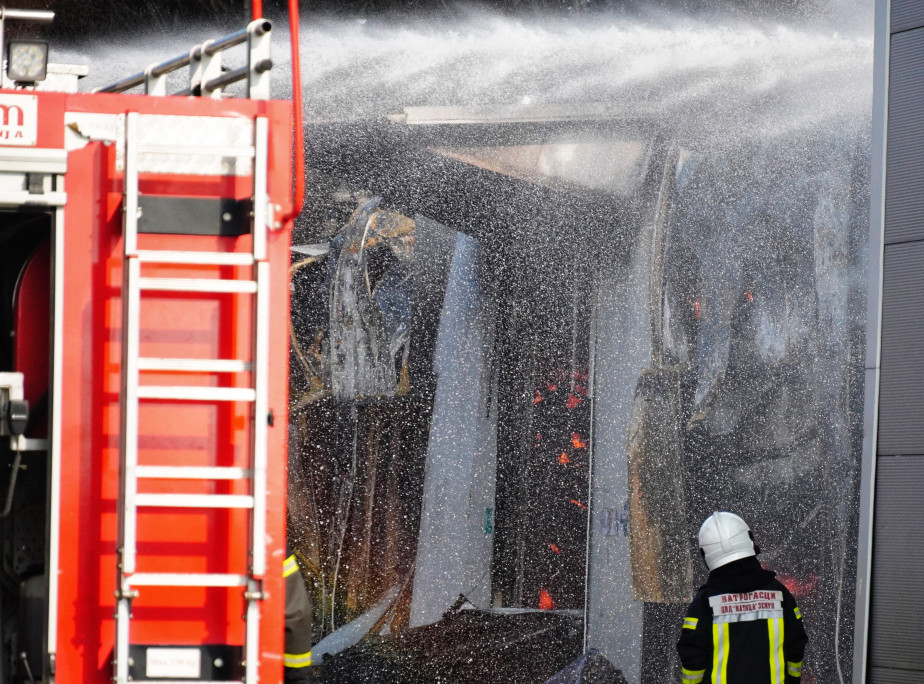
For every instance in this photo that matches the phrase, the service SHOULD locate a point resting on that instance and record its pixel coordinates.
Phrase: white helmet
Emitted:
(724, 537)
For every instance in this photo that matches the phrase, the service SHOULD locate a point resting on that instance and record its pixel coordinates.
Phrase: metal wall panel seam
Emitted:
(873, 335)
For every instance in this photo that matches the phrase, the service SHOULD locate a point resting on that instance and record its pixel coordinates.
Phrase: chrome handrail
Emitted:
(206, 75)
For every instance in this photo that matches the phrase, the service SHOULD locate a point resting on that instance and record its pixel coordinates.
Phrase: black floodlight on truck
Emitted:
(27, 60)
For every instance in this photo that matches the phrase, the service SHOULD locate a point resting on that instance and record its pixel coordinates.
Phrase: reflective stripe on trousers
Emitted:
(289, 566)
(296, 659)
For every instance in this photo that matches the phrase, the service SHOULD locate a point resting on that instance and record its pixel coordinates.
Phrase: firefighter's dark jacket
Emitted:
(743, 627)
(297, 654)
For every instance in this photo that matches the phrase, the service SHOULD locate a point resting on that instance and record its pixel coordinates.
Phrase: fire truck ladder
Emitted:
(133, 392)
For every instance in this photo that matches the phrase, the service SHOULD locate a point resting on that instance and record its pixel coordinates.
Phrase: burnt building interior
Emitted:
(470, 291)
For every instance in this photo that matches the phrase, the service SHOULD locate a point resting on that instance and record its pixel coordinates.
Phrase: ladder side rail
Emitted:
(260, 411)
(260, 345)
(252, 641)
(130, 339)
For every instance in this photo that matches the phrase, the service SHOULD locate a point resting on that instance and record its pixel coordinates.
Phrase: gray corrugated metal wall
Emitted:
(896, 628)
(907, 14)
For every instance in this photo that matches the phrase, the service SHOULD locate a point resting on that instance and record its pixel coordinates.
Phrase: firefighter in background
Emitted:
(297, 646)
(743, 626)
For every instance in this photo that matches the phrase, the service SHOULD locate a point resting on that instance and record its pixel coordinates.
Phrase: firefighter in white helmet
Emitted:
(743, 626)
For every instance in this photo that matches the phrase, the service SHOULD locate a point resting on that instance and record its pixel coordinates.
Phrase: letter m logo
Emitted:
(11, 115)
(18, 119)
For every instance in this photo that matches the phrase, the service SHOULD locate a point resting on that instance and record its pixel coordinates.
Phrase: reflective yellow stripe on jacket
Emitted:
(720, 644)
(775, 631)
(794, 669)
(693, 676)
(690, 622)
(296, 659)
(289, 566)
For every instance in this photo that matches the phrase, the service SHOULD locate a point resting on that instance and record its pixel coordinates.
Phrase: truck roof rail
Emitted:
(206, 76)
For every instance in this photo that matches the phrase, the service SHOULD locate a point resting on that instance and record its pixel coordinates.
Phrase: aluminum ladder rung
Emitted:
(199, 150)
(192, 473)
(149, 256)
(194, 500)
(198, 285)
(184, 579)
(192, 393)
(194, 365)
(197, 681)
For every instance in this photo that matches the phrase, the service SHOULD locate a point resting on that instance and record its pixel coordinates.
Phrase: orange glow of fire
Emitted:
(578, 504)
(799, 587)
(554, 548)
(536, 397)
(545, 600)
(572, 401)
(563, 459)
(577, 442)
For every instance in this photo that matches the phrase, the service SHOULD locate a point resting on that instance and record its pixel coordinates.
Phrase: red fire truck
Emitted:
(143, 390)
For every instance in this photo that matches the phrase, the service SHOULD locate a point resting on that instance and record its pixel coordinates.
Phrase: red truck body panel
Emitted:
(184, 325)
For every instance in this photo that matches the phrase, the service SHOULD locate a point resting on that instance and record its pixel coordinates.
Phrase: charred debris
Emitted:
(448, 278)
(488, 228)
